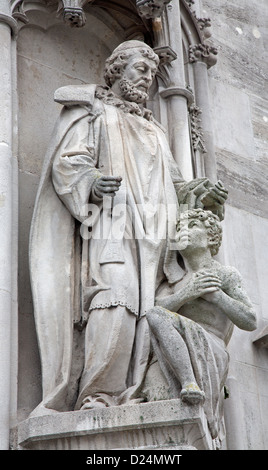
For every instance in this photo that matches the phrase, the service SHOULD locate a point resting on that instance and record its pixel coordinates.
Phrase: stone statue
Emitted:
(101, 232)
(193, 319)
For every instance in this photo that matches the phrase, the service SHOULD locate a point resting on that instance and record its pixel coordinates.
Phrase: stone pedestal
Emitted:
(166, 424)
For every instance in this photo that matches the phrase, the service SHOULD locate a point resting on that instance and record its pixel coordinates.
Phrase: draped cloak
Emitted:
(70, 274)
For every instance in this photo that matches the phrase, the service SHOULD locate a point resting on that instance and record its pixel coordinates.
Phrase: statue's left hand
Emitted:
(215, 197)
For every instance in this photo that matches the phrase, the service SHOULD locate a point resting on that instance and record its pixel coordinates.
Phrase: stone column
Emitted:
(7, 29)
(177, 97)
(203, 56)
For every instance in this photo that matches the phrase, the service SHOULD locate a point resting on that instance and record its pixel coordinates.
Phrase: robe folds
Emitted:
(85, 255)
(209, 360)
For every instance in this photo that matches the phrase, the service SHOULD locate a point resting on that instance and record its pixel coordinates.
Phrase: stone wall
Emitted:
(238, 86)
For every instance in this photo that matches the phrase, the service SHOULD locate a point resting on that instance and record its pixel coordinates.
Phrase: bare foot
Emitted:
(192, 394)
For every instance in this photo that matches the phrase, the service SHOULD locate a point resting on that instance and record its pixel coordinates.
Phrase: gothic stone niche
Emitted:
(73, 11)
(110, 162)
(104, 245)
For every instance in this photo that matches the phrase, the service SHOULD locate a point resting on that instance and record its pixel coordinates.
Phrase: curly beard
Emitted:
(131, 93)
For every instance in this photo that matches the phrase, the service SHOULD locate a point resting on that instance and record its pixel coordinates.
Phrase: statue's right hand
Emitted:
(106, 186)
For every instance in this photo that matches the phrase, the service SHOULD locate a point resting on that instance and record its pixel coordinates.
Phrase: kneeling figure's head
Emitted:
(198, 228)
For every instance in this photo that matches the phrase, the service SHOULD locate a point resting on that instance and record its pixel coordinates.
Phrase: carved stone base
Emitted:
(156, 425)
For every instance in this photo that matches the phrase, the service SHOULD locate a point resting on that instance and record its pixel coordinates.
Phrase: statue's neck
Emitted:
(196, 261)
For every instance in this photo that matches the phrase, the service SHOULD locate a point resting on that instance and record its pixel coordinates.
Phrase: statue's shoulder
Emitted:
(72, 95)
(229, 275)
(159, 125)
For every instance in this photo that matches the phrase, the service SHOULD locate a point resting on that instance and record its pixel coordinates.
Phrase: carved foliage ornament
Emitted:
(203, 53)
(73, 13)
(196, 128)
(151, 8)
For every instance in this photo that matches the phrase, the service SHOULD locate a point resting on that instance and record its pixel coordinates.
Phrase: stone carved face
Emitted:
(192, 236)
(199, 230)
(130, 70)
(137, 77)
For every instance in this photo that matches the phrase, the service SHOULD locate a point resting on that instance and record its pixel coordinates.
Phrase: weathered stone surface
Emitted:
(246, 182)
(239, 30)
(157, 425)
(261, 337)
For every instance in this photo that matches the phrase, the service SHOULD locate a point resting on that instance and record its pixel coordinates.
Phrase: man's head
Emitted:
(131, 69)
(191, 228)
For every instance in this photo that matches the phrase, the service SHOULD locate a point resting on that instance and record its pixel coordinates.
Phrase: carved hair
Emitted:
(212, 224)
(116, 63)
